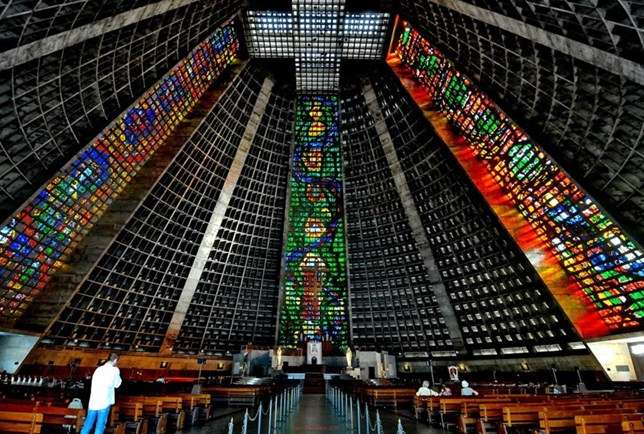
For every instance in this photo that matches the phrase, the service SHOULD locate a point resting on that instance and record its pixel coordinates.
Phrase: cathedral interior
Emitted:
(315, 206)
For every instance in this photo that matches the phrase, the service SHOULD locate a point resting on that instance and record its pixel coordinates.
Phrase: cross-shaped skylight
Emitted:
(317, 34)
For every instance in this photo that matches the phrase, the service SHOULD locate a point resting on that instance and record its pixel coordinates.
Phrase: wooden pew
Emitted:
(633, 424)
(198, 408)
(128, 418)
(564, 420)
(499, 413)
(523, 415)
(470, 414)
(637, 404)
(427, 404)
(466, 410)
(18, 422)
(390, 396)
(171, 406)
(53, 416)
(237, 396)
(601, 423)
(166, 413)
(462, 406)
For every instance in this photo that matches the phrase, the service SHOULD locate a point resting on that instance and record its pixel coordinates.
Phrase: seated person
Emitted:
(425, 390)
(467, 390)
(445, 391)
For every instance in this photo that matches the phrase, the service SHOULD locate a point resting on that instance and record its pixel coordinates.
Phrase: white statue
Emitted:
(279, 357)
(349, 356)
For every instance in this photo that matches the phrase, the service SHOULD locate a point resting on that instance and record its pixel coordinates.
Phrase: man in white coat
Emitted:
(106, 378)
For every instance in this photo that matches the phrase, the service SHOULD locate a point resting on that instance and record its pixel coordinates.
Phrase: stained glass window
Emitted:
(315, 278)
(604, 264)
(36, 241)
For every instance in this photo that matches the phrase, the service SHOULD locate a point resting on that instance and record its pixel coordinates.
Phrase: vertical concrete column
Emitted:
(415, 223)
(217, 218)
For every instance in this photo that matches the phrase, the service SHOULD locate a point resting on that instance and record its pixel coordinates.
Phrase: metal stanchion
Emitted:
(400, 428)
(346, 404)
(358, 415)
(245, 423)
(350, 412)
(378, 423)
(270, 415)
(366, 414)
(276, 412)
(281, 407)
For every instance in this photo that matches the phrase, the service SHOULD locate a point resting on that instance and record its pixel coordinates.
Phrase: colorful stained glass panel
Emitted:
(603, 263)
(35, 242)
(315, 280)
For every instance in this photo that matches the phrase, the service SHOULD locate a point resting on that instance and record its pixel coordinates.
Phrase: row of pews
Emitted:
(241, 395)
(131, 414)
(549, 414)
(389, 397)
(401, 396)
(156, 412)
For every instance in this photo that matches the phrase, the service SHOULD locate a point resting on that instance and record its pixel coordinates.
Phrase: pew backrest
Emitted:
(599, 423)
(633, 424)
(130, 410)
(20, 422)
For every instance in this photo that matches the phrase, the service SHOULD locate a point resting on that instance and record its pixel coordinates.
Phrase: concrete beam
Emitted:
(217, 217)
(599, 58)
(415, 223)
(59, 41)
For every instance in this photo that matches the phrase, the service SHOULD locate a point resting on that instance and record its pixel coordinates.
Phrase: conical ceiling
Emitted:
(200, 262)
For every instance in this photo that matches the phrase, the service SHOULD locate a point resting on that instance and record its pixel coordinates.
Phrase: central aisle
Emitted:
(315, 414)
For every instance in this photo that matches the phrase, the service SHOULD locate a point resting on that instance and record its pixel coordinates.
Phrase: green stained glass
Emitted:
(488, 123)
(315, 277)
(428, 64)
(456, 92)
(524, 162)
(406, 35)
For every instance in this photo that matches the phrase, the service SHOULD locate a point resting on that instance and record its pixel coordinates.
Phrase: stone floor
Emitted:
(315, 414)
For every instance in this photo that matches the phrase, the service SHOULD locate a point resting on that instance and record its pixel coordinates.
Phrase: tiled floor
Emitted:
(315, 414)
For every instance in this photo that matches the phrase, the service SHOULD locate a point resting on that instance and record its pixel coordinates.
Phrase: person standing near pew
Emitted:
(425, 390)
(466, 390)
(106, 378)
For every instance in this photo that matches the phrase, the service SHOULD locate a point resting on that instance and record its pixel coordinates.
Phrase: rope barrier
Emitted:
(278, 411)
(343, 404)
(253, 419)
(374, 428)
(265, 412)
